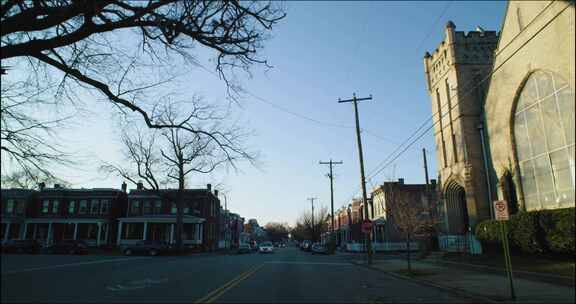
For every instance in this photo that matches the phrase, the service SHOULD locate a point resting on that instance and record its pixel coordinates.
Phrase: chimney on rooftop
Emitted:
(124, 187)
(215, 193)
(401, 181)
(56, 186)
(41, 186)
(139, 186)
(209, 187)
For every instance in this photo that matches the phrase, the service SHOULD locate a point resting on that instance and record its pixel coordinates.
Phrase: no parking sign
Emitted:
(501, 210)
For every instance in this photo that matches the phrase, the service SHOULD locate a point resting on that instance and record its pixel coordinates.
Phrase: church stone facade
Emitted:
(453, 72)
(503, 109)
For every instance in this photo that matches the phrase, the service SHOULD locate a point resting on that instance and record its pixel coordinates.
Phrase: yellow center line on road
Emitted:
(218, 292)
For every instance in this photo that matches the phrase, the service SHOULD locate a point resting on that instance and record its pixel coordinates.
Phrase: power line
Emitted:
(285, 110)
(433, 26)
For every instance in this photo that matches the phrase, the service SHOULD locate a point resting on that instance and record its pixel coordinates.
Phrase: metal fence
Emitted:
(460, 243)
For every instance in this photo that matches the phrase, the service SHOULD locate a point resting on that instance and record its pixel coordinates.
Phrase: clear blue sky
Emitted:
(321, 52)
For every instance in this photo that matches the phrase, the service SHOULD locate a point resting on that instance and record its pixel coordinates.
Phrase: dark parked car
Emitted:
(21, 246)
(152, 248)
(306, 245)
(69, 247)
(318, 248)
(254, 246)
(244, 248)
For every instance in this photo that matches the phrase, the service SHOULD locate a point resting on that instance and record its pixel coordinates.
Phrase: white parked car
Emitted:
(266, 247)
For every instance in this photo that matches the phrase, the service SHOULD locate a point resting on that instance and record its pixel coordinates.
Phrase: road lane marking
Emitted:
(218, 292)
(140, 284)
(73, 264)
(307, 263)
(221, 292)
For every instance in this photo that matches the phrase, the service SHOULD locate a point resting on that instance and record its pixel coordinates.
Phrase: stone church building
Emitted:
(503, 107)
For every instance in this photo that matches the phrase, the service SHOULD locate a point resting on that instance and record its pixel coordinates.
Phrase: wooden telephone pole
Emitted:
(355, 100)
(311, 199)
(331, 176)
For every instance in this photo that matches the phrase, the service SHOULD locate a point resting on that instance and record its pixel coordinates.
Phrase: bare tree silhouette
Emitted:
(123, 51)
(25, 137)
(304, 228)
(168, 157)
(412, 215)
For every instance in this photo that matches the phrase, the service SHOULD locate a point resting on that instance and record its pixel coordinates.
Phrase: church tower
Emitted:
(456, 76)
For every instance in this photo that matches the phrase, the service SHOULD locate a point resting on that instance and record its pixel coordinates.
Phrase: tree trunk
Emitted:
(179, 209)
(408, 254)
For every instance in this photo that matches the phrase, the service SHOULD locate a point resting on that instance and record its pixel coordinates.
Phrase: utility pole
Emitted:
(355, 100)
(311, 199)
(331, 176)
(426, 175)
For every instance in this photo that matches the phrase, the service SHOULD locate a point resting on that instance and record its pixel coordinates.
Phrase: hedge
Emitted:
(559, 229)
(488, 231)
(534, 232)
(526, 234)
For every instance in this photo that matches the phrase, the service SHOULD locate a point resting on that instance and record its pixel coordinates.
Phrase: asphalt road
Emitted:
(288, 276)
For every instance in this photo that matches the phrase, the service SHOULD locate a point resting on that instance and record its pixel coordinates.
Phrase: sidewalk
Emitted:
(476, 284)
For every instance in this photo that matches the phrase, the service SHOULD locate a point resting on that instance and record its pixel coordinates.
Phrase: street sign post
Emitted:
(367, 226)
(501, 214)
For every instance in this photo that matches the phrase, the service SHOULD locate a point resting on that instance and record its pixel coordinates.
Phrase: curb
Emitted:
(472, 297)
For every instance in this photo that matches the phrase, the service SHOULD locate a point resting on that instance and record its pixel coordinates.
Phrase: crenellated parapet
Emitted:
(459, 47)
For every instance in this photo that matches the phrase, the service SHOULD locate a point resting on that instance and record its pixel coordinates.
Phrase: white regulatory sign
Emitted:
(501, 210)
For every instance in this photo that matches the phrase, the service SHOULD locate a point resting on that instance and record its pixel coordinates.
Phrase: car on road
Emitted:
(21, 246)
(68, 246)
(318, 248)
(266, 247)
(305, 245)
(244, 248)
(152, 248)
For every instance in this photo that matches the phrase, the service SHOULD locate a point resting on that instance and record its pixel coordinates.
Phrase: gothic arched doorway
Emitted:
(456, 208)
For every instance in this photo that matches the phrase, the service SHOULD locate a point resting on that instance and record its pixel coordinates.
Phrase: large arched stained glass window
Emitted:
(544, 135)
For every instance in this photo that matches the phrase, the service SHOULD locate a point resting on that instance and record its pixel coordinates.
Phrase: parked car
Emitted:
(21, 246)
(253, 247)
(152, 248)
(69, 247)
(305, 245)
(244, 248)
(318, 248)
(266, 247)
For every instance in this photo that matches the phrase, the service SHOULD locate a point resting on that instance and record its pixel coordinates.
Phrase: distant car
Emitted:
(318, 248)
(21, 246)
(152, 248)
(254, 247)
(69, 247)
(266, 247)
(305, 245)
(244, 248)
(276, 244)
